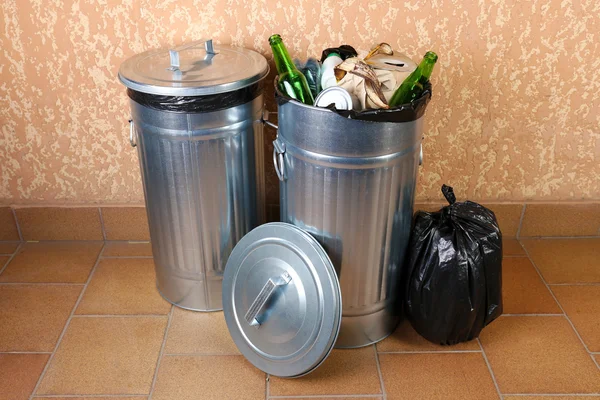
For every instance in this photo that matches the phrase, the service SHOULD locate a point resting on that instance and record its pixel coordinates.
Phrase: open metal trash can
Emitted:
(330, 273)
(351, 184)
(196, 120)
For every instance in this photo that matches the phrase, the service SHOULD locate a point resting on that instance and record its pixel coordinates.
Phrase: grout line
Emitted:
(521, 220)
(431, 352)
(594, 360)
(43, 283)
(559, 237)
(268, 387)
(514, 256)
(143, 257)
(90, 396)
(553, 394)
(381, 384)
(64, 331)
(562, 309)
(487, 362)
(330, 396)
(102, 223)
(199, 355)
(120, 315)
(25, 352)
(10, 258)
(14, 213)
(533, 315)
(161, 353)
(575, 284)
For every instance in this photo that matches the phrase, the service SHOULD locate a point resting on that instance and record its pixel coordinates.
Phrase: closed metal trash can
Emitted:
(196, 120)
(351, 184)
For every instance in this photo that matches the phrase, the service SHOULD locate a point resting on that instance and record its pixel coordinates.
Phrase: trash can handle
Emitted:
(265, 119)
(279, 158)
(132, 138)
(174, 53)
(266, 293)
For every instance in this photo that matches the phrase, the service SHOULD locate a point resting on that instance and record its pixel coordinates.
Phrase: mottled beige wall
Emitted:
(515, 115)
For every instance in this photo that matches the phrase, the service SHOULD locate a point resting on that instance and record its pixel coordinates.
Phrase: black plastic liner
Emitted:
(403, 113)
(453, 276)
(198, 104)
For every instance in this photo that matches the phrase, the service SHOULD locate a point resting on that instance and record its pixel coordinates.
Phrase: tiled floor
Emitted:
(82, 320)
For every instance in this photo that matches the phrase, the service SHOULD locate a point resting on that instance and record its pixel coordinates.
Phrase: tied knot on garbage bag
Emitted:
(453, 278)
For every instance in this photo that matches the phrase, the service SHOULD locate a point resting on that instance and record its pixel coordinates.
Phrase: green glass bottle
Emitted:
(291, 81)
(412, 87)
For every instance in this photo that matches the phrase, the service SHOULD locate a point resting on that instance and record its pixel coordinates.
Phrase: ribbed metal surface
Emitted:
(202, 194)
(359, 208)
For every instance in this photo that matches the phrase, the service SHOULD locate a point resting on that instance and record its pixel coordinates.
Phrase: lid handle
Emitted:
(264, 296)
(174, 53)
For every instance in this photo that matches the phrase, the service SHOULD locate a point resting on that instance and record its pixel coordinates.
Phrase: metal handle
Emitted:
(421, 155)
(265, 120)
(174, 53)
(264, 296)
(279, 159)
(132, 138)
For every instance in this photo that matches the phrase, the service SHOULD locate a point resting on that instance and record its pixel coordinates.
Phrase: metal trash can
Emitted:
(330, 273)
(196, 121)
(351, 185)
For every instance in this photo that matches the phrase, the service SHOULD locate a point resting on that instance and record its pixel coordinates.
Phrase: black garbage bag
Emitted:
(454, 271)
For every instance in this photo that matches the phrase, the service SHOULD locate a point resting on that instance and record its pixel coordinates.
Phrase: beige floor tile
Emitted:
(405, 338)
(344, 372)
(19, 373)
(551, 397)
(511, 247)
(561, 220)
(8, 228)
(208, 378)
(8, 247)
(53, 262)
(523, 291)
(461, 376)
(508, 217)
(127, 249)
(566, 260)
(582, 305)
(32, 317)
(105, 355)
(123, 286)
(199, 333)
(56, 223)
(539, 355)
(125, 223)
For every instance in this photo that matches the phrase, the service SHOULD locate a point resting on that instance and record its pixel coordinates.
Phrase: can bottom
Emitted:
(364, 330)
(184, 307)
(190, 294)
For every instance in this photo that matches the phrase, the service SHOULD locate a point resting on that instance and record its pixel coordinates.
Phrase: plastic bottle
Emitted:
(327, 70)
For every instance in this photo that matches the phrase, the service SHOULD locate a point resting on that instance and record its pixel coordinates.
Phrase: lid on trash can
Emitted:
(194, 69)
(282, 300)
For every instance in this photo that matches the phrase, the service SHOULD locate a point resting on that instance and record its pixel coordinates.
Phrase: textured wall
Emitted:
(515, 114)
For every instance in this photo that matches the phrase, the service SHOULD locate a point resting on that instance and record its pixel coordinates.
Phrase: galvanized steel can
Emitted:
(351, 184)
(196, 120)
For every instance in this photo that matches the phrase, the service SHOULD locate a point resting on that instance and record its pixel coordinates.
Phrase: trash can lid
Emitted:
(194, 69)
(282, 300)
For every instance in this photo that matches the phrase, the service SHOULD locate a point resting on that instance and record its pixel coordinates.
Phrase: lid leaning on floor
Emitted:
(194, 69)
(282, 300)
